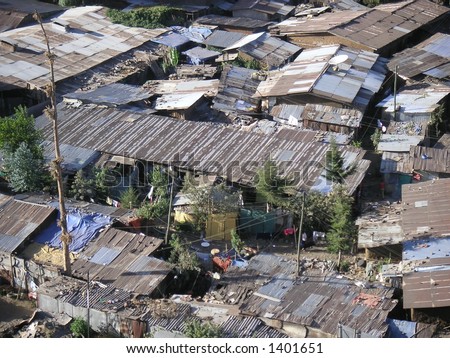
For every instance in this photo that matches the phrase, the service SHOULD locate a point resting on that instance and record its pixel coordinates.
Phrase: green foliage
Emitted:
(170, 60)
(100, 181)
(153, 210)
(180, 255)
(18, 129)
(356, 143)
(67, 3)
(270, 185)
(345, 266)
(24, 169)
(129, 198)
(159, 180)
(79, 328)
(250, 63)
(437, 119)
(82, 187)
(334, 165)
(375, 138)
(206, 200)
(236, 242)
(371, 3)
(342, 227)
(149, 17)
(196, 329)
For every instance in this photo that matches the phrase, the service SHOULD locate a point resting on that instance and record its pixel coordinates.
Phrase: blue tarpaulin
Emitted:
(82, 229)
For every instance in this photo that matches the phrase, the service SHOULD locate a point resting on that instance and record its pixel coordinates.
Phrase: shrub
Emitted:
(79, 328)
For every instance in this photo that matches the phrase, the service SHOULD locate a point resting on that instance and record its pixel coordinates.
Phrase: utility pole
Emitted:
(88, 305)
(56, 163)
(300, 228)
(166, 239)
(395, 92)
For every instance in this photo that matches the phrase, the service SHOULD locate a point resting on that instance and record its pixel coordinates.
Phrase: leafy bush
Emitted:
(153, 210)
(196, 329)
(79, 328)
(149, 18)
(129, 198)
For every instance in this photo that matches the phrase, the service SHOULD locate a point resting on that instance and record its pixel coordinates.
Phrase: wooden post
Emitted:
(413, 315)
(299, 234)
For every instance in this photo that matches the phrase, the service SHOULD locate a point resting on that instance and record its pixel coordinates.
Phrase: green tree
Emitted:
(24, 169)
(181, 257)
(82, 187)
(206, 200)
(129, 198)
(236, 241)
(17, 129)
(334, 165)
(342, 227)
(153, 210)
(375, 138)
(79, 328)
(196, 329)
(148, 17)
(159, 180)
(100, 181)
(270, 185)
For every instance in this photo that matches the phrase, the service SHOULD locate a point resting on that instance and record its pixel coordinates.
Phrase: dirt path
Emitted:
(14, 310)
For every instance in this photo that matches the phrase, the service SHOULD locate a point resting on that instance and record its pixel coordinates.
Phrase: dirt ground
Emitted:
(13, 311)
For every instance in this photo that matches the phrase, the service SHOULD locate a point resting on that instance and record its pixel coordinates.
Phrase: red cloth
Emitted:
(289, 231)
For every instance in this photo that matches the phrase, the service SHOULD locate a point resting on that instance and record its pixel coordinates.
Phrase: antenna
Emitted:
(336, 60)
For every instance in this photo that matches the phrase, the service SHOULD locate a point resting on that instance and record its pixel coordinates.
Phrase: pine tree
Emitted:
(334, 166)
(25, 169)
(342, 227)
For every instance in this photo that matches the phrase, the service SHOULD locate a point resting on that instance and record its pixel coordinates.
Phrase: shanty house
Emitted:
(243, 25)
(84, 42)
(201, 147)
(315, 304)
(429, 58)
(123, 260)
(20, 222)
(262, 9)
(415, 103)
(384, 29)
(330, 75)
(270, 52)
(222, 39)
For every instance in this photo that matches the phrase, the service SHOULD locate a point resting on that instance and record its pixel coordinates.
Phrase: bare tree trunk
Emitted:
(56, 164)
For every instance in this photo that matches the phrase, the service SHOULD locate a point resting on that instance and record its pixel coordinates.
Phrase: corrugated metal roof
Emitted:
(426, 209)
(427, 287)
(113, 94)
(321, 23)
(193, 145)
(264, 6)
(171, 39)
(443, 142)
(416, 99)
(430, 57)
(380, 224)
(244, 23)
(223, 39)
(392, 162)
(380, 26)
(90, 41)
(273, 52)
(248, 327)
(19, 221)
(177, 101)
(397, 142)
(198, 55)
(353, 81)
(429, 159)
(332, 115)
(75, 158)
(168, 315)
(236, 90)
(426, 249)
(208, 87)
(121, 259)
(314, 300)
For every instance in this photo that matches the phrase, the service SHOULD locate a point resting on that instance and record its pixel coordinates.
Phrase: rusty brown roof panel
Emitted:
(426, 209)
(429, 159)
(428, 288)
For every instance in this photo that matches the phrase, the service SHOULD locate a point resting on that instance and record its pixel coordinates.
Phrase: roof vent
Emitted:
(9, 44)
(61, 25)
